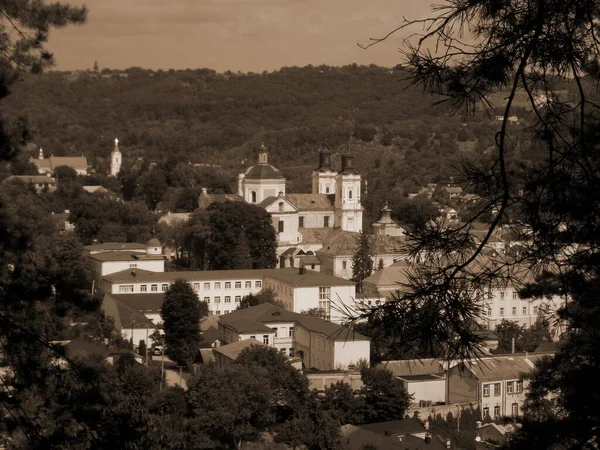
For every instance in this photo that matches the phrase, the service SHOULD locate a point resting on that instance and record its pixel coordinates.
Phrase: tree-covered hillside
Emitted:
(400, 141)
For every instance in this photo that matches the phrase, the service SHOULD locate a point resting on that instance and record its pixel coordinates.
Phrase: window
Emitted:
(291, 352)
(535, 309)
(252, 337)
(515, 295)
(281, 207)
(350, 193)
(165, 287)
(144, 288)
(496, 389)
(326, 221)
(228, 285)
(217, 299)
(275, 330)
(486, 412)
(226, 311)
(227, 299)
(510, 387)
(266, 339)
(501, 295)
(217, 285)
(497, 412)
(524, 310)
(280, 226)
(126, 288)
(154, 288)
(344, 264)
(248, 285)
(253, 197)
(207, 286)
(489, 310)
(519, 386)
(514, 311)
(501, 311)
(238, 298)
(324, 293)
(207, 299)
(196, 286)
(258, 284)
(486, 390)
(291, 332)
(132, 266)
(217, 312)
(515, 409)
(301, 222)
(238, 284)
(282, 350)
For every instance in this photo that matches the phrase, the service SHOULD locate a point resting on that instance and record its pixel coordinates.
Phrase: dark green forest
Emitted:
(399, 140)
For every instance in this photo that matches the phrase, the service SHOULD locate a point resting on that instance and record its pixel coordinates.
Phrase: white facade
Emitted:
(285, 221)
(427, 388)
(116, 159)
(348, 353)
(260, 181)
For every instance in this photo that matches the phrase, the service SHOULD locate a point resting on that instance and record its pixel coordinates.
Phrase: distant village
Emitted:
(317, 237)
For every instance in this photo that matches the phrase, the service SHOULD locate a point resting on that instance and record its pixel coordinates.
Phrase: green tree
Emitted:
(340, 399)
(151, 187)
(507, 330)
(231, 222)
(181, 316)
(383, 398)
(247, 411)
(362, 260)
(265, 295)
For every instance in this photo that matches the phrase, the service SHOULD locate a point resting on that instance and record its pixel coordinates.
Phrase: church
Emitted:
(335, 201)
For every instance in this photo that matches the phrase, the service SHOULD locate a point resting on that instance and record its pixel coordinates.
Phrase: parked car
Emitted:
(157, 350)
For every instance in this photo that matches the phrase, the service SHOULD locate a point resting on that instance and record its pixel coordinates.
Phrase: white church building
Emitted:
(335, 201)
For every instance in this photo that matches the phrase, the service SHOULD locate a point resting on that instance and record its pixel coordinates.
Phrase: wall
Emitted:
(350, 352)
(152, 265)
(283, 340)
(139, 334)
(462, 387)
(289, 216)
(322, 381)
(263, 188)
(316, 219)
(316, 350)
(442, 410)
(427, 390)
(341, 297)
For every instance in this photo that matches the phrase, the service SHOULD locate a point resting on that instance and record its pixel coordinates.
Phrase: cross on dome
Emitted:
(116, 141)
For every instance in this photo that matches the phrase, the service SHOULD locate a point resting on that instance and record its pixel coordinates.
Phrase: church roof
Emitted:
(311, 202)
(262, 171)
(206, 199)
(76, 162)
(341, 242)
(315, 235)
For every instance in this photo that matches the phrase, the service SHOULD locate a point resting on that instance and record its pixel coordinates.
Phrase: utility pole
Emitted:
(162, 366)
(180, 379)
(132, 325)
(146, 346)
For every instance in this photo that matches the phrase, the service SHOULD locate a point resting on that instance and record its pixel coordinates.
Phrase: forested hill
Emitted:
(204, 117)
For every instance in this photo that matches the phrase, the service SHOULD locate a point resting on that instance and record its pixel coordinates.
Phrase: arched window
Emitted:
(253, 196)
(281, 206)
(327, 190)
(350, 194)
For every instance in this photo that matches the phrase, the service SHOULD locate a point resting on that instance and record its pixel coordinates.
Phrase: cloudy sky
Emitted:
(246, 35)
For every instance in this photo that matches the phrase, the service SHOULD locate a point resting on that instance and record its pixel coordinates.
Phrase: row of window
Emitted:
(497, 414)
(227, 299)
(514, 310)
(265, 338)
(512, 387)
(285, 332)
(281, 223)
(126, 288)
(515, 295)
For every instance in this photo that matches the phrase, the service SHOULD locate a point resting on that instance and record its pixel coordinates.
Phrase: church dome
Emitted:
(153, 243)
(263, 169)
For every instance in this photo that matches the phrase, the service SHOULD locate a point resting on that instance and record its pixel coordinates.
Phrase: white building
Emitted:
(116, 159)
(112, 257)
(223, 290)
(320, 344)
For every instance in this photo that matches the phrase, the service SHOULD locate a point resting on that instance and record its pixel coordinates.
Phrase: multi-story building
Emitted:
(495, 384)
(298, 289)
(321, 345)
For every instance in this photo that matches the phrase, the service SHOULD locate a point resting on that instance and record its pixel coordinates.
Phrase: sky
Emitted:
(244, 35)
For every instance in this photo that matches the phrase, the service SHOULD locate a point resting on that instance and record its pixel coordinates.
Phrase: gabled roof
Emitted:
(76, 162)
(411, 367)
(124, 316)
(267, 313)
(501, 367)
(293, 276)
(315, 235)
(232, 351)
(243, 324)
(344, 243)
(35, 179)
(311, 202)
(124, 256)
(358, 438)
(115, 246)
(147, 276)
(397, 427)
(151, 302)
(273, 199)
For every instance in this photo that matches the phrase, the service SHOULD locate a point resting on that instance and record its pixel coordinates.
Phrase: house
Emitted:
(358, 438)
(339, 248)
(399, 428)
(104, 261)
(449, 193)
(228, 354)
(321, 345)
(299, 289)
(149, 304)
(41, 183)
(385, 226)
(424, 379)
(492, 435)
(130, 323)
(100, 191)
(495, 384)
(48, 165)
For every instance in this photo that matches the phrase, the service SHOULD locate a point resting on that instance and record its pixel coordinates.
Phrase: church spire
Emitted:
(41, 154)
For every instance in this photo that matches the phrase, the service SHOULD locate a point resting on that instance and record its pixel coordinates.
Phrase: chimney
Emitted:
(347, 163)
(133, 273)
(513, 345)
(428, 438)
(426, 425)
(302, 270)
(448, 444)
(387, 433)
